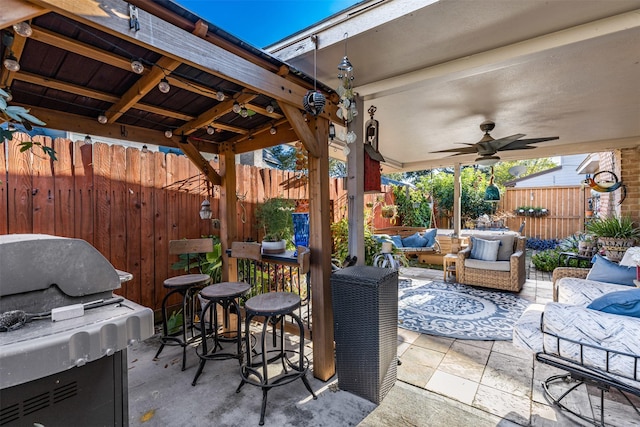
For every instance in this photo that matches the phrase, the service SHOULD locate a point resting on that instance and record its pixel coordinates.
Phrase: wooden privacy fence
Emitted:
(566, 206)
(128, 203)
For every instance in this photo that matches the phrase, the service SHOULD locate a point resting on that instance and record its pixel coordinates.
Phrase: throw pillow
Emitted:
(626, 303)
(397, 241)
(430, 236)
(414, 241)
(606, 271)
(629, 256)
(485, 250)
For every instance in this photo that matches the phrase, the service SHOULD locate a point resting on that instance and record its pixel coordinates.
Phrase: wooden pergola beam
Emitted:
(308, 138)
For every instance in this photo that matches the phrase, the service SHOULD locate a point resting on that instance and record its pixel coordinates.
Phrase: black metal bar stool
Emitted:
(187, 286)
(274, 306)
(225, 294)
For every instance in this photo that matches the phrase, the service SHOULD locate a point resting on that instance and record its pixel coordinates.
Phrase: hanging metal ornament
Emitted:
(372, 127)
(313, 102)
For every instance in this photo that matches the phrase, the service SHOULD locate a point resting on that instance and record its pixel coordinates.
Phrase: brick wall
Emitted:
(630, 175)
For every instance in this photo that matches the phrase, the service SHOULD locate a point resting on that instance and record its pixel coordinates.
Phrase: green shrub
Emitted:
(546, 260)
(340, 233)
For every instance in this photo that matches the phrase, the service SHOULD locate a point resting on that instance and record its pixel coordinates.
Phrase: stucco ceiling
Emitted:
(436, 69)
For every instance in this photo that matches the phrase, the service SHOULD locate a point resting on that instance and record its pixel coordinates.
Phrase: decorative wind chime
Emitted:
(347, 108)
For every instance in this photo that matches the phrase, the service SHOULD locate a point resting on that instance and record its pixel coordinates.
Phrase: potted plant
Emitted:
(388, 211)
(274, 217)
(615, 235)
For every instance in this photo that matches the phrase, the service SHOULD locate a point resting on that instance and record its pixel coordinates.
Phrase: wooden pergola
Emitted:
(76, 75)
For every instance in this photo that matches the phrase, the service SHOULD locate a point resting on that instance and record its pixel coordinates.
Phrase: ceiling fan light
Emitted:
(487, 160)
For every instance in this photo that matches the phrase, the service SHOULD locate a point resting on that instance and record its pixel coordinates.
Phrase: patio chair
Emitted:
(504, 270)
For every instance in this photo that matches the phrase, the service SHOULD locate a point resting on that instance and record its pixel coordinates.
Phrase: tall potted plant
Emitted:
(615, 235)
(274, 218)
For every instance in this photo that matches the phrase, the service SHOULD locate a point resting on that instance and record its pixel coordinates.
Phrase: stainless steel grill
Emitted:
(41, 275)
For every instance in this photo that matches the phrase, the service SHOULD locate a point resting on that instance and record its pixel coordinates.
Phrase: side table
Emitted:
(449, 265)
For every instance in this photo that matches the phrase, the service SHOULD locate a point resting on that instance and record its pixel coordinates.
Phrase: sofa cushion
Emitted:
(485, 250)
(575, 291)
(609, 272)
(414, 241)
(430, 235)
(397, 241)
(506, 244)
(626, 303)
(487, 265)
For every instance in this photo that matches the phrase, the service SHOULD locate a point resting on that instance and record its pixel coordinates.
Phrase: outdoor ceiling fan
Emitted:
(487, 147)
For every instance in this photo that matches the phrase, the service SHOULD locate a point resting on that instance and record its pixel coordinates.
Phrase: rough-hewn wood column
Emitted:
(320, 243)
(228, 211)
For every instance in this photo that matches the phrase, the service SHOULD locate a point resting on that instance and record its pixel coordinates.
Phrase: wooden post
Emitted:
(355, 189)
(320, 244)
(228, 211)
(457, 199)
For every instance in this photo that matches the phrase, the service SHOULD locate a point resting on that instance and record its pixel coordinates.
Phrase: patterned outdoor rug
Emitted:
(458, 311)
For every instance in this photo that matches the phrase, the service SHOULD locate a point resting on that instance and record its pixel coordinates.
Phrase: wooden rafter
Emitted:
(301, 128)
(211, 115)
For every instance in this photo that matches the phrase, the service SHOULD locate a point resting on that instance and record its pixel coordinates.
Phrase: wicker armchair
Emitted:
(511, 280)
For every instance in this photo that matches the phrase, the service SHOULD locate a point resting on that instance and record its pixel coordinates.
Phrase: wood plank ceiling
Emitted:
(77, 66)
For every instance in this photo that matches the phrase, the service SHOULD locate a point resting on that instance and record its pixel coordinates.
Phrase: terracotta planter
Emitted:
(614, 247)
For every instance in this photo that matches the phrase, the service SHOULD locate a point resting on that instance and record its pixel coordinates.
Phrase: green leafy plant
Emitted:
(174, 322)
(274, 217)
(546, 260)
(413, 207)
(208, 263)
(20, 115)
(614, 226)
(340, 234)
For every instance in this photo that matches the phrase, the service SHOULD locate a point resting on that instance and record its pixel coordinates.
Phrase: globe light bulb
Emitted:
(270, 109)
(273, 130)
(236, 107)
(102, 119)
(137, 67)
(244, 112)
(219, 96)
(23, 29)
(11, 63)
(211, 130)
(164, 86)
(168, 133)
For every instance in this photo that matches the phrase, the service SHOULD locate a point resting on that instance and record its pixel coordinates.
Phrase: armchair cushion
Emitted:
(485, 250)
(487, 265)
(626, 303)
(609, 272)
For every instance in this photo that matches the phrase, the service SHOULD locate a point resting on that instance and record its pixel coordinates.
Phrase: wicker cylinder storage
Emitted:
(365, 311)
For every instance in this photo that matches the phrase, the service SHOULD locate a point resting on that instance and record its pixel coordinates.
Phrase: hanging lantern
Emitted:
(492, 193)
(313, 102)
(205, 210)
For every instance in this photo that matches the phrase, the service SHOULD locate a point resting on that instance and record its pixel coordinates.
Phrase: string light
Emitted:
(273, 130)
(164, 86)
(244, 112)
(211, 130)
(168, 133)
(236, 107)
(220, 96)
(87, 140)
(11, 63)
(102, 119)
(9, 94)
(270, 109)
(23, 29)
(137, 67)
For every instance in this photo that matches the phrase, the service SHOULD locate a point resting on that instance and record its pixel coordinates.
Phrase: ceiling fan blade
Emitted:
(523, 144)
(498, 144)
(462, 150)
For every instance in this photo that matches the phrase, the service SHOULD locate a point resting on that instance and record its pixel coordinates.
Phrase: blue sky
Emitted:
(263, 22)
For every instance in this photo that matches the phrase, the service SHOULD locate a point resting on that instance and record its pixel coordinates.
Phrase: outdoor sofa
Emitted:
(591, 330)
(410, 240)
